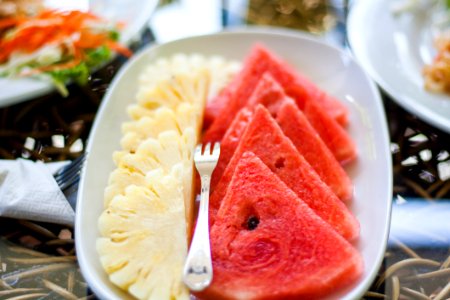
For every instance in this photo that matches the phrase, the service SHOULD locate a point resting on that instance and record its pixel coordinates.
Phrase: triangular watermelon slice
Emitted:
(261, 60)
(264, 138)
(296, 127)
(307, 141)
(334, 136)
(267, 243)
(271, 94)
(229, 143)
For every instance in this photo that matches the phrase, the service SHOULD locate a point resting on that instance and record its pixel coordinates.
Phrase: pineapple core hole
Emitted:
(279, 163)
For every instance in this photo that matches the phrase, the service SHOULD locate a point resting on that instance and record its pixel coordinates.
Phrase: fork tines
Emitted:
(207, 150)
(70, 174)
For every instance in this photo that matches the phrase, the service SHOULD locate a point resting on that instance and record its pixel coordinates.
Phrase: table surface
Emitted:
(38, 260)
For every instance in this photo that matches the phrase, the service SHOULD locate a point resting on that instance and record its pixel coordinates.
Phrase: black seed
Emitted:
(252, 223)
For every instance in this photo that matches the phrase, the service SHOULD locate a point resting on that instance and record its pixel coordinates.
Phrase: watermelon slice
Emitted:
(296, 127)
(260, 60)
(229, 143)
(264, 138)
(217, 103)
(271, 94)
(333, 135)
(267, 243)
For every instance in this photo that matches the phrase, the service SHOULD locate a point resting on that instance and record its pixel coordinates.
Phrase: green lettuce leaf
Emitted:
(78, 74)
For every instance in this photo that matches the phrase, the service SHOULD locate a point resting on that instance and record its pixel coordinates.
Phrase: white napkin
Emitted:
(29, 191)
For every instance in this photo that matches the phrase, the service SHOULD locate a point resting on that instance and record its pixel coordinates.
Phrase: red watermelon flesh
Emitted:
(259, 61)
(307, 141)
(229, 143)
(269, 93)
(264, 138)
(315, 148)
(267, 243)
(334, 136)
(301, 89)
(217, 103)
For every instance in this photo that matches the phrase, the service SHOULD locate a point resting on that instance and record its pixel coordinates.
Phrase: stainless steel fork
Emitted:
(197, 274)
(67, 178)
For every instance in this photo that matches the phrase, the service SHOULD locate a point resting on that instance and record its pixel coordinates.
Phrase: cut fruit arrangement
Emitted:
(280, 227)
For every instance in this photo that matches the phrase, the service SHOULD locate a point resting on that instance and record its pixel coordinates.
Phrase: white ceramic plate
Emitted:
(134, 13)
(329, 67)
(393, 50)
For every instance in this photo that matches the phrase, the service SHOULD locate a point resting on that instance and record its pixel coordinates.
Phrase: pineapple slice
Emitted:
(180, 88)
(144, 243)
(157, 121)
(169, 149)
(221, 70)
(119, 180)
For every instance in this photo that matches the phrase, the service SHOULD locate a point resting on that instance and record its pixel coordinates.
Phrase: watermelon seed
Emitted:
(279, 163)
(252, 223)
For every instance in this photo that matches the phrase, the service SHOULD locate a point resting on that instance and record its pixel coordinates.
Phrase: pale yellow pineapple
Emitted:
(221, 70)
(180, 88)
(144, 243)
(157, 121)
(119, 180)
(169, 149)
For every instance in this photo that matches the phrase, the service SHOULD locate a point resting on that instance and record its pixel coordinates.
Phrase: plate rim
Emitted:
(407, 102)
(242, 30)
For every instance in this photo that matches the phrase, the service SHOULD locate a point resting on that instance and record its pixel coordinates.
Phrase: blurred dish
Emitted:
(134, 14)
(394, 49)
(329, 67)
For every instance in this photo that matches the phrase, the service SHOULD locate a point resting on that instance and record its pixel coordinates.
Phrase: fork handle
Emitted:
(197, 274)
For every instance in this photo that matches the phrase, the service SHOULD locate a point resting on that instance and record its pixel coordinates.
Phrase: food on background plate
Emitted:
(436, 74)
(57, 45)
(265, 187)
(145, 226)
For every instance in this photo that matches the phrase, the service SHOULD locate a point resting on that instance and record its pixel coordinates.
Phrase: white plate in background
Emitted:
(393, 50)
(133, 13)
(329, 67)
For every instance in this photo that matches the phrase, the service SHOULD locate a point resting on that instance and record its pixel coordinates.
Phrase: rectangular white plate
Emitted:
(331, 68)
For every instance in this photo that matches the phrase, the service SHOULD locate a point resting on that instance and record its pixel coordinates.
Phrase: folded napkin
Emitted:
(29, 191)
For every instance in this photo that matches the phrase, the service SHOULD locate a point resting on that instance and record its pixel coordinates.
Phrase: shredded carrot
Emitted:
(8, 22)
(69, 28)
(119, 48)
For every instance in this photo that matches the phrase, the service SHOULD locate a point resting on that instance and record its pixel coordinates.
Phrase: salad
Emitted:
(55, 45)
(436, 74)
